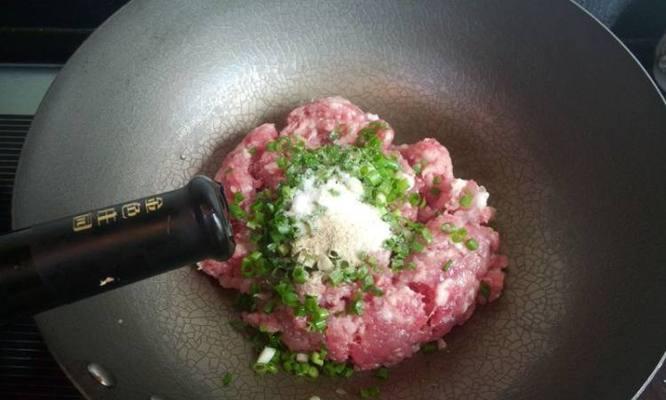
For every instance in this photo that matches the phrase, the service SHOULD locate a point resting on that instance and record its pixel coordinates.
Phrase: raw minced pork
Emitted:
(419, 305)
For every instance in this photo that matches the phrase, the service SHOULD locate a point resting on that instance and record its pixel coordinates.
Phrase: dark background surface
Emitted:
(48, 32)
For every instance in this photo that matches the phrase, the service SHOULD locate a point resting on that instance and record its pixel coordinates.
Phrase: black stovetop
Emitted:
(37, 36)
(27, 370)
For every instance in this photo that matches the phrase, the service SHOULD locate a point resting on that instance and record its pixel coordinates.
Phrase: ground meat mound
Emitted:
(418, 305)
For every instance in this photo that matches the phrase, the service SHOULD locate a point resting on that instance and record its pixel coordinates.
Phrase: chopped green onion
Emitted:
(366, 281)
(281, 162)
(458, 235)
(269, 307)
(287, 294)
(374, 177)
(312, 371)
(263, 369)
(299, 275)
(397, 263)
(427, 236)
(299, 310)
(466, 200)
(334, 135)
(356, 305)
(226, 380)
(283, 228)
(382, 373)
(375, 291)
(333, 369)
(484, 290)
(247, 268)
(472, 244)
(417, 246)
(290, 299)
(362, 273)
(317, 325)
(385, 187)
(311, 303)
(336, 277)
(317, 358)
(283, 249)
(429, 347)
(414, 199)
(447, 265)
(435, 191)
(236, 211)
(448, 227)
(401, 185)
(380, 199)
(317, 315)
(288, 365)
(369, 392)
(417, 167)
(252, 150)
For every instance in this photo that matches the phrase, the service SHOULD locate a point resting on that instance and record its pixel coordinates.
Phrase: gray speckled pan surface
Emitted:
(535, 100)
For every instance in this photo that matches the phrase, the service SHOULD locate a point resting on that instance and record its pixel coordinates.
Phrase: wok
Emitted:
(535, 100)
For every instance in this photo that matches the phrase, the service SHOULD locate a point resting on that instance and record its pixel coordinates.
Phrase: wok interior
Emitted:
(580, 316)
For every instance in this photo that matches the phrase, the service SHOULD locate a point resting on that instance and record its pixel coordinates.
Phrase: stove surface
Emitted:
(27, 369)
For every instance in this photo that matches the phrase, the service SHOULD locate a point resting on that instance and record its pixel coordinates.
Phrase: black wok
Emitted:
(534, 99)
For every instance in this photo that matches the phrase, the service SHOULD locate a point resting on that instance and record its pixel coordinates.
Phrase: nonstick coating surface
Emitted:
(535, 100)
